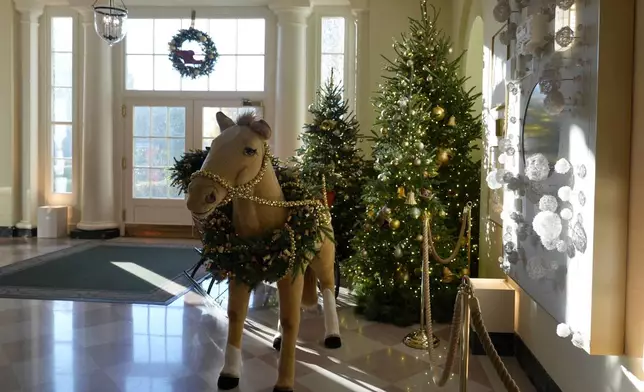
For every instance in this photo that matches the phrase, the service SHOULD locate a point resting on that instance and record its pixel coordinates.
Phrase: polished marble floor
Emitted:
(58, 346)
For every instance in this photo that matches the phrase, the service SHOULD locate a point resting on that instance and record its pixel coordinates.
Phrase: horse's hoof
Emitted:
(277, 343)
(277, 389)
(333, 342)
(226, 383)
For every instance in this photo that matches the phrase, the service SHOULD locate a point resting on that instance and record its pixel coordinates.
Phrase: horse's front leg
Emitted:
(238, 296)
(290, 298)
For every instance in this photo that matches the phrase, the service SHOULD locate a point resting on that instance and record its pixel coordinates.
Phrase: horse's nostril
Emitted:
(210, 198)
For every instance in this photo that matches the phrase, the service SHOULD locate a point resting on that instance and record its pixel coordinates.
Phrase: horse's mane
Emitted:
(246, 119)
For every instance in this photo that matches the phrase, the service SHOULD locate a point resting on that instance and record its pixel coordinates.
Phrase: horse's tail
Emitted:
(310, 291)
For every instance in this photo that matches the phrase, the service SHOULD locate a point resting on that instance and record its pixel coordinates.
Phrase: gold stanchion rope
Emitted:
(466, 304)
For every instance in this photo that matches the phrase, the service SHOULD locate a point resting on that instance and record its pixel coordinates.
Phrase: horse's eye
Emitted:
(249, 152)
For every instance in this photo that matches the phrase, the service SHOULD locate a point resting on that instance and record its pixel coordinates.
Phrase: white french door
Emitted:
(157, 132)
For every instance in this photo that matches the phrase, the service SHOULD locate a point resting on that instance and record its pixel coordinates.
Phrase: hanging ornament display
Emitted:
(564, 36)
(537, 167)
(438, 113)
(394, 224)
(185, 61)
(452, 121)
(548, 203)
(502, 11)
(448, 276)
(415, 212)
(562, 166)
(564, 193)
(110, 21)
(398, 253)
(554, 103)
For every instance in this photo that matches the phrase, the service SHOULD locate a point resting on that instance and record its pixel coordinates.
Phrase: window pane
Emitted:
(333, 35)
(250, 36)
(62, 141)
(165, 76)
(333, 62)
(224, 34)
(164, 30)
(62, 105)
(62, 34)
(159, 152)
(62, 176)
(142, 121)
(200, 24)
(141, 183)
(61, 69)
(225, 74)
(210, 128)
(177, 119)
(140, 36)
(199, 84)
(159, 184)
(250, 73)
(177, 147)
(207, 142)
(140, 74)
(159, 121)
(141, 152)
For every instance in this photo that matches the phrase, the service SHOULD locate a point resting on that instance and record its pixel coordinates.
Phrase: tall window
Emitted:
(240, 44)
(332, 45)
(61, 113)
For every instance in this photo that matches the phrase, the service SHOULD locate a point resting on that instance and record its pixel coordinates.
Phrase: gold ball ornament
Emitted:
(443, 156)
(415, 212)
(394, 224)
(419, 237)
(438, 113)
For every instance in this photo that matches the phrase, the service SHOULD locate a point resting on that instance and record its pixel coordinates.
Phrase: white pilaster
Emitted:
(290, 96)
(364, 110)
(97, 170)
(29, 14)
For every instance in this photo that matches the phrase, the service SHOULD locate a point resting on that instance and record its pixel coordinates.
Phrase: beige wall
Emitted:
(387, 20)
(572, 369)
(8, 114)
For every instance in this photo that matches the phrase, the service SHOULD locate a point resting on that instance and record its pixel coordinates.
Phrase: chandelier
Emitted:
(109, 21)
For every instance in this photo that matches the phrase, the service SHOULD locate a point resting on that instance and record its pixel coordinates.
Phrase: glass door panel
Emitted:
(206, 112)
(158, 133)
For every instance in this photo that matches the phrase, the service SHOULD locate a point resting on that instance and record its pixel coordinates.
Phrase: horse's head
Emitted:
(235, 159)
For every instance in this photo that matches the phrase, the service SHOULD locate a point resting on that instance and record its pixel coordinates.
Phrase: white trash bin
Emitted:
(52, 221)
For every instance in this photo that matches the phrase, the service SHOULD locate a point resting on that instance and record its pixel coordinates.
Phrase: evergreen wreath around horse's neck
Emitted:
(274, 255)
(184, 61)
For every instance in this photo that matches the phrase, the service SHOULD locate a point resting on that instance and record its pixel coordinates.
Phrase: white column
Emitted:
(364, 109)
(29, 14)
(97, 170)
(290, 96)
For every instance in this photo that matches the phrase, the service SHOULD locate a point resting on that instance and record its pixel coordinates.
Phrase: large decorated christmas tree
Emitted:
(329, 149)
(427, 131)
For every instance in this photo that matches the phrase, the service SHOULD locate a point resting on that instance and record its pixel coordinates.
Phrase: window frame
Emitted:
(349, 77)
(46, 101)
(270, 51)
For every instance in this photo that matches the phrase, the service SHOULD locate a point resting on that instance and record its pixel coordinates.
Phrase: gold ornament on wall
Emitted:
(438, 113)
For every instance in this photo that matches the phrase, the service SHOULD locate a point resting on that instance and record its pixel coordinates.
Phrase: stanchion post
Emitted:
(465, 337)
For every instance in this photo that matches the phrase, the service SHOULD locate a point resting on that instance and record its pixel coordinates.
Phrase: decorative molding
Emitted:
(15, 232)
(104, 234)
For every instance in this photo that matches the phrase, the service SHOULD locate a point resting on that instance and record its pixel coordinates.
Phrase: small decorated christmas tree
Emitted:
(329, 149)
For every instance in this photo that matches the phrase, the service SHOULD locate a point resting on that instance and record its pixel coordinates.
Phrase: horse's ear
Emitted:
(262, 128)
(224, 121)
